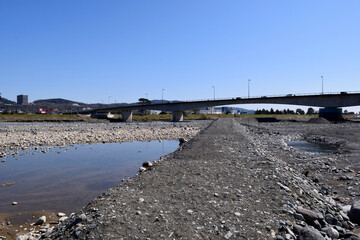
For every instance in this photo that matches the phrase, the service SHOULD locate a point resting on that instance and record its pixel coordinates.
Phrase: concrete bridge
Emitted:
(330, 104)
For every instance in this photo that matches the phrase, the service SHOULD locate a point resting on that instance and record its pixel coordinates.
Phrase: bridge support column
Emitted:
(331, 113)
(178, 116)
(126, 116)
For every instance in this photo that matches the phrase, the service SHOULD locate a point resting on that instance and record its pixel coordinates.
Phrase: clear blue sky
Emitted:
(93, 51)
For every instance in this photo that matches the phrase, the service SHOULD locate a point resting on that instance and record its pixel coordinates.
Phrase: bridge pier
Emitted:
(126, 116)
(331, 113)
(178, 116)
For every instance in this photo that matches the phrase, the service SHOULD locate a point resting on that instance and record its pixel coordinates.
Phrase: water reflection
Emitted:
(66, 179)
(312, 147)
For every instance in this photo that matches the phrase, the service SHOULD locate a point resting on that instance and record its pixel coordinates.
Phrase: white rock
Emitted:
(63, 219)
(61, 214)
(41, 220)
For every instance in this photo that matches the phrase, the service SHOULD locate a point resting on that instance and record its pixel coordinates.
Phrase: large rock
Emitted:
(354, 213)
(310, 233)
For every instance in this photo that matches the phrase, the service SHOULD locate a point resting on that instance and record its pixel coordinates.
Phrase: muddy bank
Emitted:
(236, 180)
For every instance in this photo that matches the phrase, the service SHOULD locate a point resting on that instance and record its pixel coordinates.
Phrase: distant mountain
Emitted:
(6, 101)
(56, 101)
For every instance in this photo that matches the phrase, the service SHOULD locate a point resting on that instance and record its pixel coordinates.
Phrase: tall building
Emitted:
(22, 99)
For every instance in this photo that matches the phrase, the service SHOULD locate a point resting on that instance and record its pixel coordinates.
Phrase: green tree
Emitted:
(310, 111)
(300, 111)
(144, 101)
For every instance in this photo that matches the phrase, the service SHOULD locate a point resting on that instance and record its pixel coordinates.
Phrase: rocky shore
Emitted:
(237, 179)
(23, 135)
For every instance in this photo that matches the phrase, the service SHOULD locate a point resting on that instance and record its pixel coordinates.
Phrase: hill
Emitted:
(6, 101)
(56, 101)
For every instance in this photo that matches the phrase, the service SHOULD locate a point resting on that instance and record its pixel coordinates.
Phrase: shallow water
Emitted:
(312, 147)
(66, 179)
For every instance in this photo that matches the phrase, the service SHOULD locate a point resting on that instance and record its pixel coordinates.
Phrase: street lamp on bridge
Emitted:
(162, 95)
(249, 80)
(322, 84)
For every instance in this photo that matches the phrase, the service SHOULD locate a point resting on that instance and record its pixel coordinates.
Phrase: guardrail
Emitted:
(272, 96)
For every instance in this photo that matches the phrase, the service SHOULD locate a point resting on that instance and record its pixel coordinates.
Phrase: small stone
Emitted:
(142, 169)
(41, 220)
(138, 213)
(14, 203)
(298, 216)
(354, 213)
(331, 232)
(147, 164)
(63, 219)
(297, 229)
(60, 214)
(190, 211)
(310, 233)
(237, 214)
(309, 215)
(228, 235)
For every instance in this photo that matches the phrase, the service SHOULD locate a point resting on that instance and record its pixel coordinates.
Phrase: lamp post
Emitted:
(212, 109)
(249, 88)
(162, 95)
(322, 84)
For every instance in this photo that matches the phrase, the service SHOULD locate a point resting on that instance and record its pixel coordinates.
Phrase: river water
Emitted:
(64, 179)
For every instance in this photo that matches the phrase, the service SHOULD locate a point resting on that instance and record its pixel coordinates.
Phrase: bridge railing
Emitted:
(272, 96)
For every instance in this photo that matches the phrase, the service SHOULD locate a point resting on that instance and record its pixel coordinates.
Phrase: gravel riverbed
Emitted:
(17, 136)
(237, 179)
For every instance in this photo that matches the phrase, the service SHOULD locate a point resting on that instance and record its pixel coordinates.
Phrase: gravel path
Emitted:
(236, 180)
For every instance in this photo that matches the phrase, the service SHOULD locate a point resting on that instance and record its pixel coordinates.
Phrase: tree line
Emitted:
(298, 111)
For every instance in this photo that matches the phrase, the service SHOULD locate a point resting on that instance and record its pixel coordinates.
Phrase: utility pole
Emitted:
(162, 95)
(249, 88)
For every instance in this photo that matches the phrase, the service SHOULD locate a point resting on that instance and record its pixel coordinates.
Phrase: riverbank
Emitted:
(236, 180)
